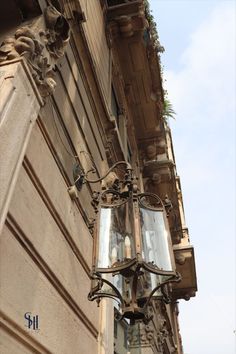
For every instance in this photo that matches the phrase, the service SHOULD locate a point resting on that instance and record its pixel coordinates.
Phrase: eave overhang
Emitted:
(128, 35)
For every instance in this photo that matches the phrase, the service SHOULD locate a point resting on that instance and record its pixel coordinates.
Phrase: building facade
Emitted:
(80, 82)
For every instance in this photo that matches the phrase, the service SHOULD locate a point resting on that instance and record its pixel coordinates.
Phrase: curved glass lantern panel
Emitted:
(147, 283)
(107, 286)
(115, 236)
(113, 286)
(155, 239)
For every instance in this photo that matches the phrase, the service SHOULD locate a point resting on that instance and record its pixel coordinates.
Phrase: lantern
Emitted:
(132, 254)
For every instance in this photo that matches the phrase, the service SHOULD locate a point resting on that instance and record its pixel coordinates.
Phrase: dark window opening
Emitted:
(114, 105)
(129, 153)
(15, 12)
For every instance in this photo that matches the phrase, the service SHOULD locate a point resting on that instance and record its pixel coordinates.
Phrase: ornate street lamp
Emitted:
(132, 254)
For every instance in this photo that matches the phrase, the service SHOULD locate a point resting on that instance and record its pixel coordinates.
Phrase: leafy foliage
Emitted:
(153, 28)
(168, 111)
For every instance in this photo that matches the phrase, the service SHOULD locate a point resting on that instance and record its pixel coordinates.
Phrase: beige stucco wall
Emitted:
(46, 246)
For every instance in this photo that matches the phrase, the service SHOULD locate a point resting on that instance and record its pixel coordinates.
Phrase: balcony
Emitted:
(185, 265)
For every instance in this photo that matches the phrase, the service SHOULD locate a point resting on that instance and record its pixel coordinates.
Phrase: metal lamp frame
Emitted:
(121, 193)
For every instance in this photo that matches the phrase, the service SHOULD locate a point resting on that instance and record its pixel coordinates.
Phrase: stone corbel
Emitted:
(125, 20)
(125, 26)
(41, 43)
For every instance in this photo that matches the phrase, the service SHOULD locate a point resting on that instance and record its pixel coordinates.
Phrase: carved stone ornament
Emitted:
(163, 329)
(141, 335)
(41, 43)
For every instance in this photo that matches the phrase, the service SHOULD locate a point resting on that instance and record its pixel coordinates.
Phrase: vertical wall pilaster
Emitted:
(106, 329)
(19, 107)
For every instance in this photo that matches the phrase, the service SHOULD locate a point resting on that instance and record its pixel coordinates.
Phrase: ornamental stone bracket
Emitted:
(155, 162)
(153, 149)
(124, 8)
(124, 20)
(41, 43)
(158, 169)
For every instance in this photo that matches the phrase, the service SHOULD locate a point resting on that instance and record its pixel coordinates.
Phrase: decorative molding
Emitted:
(41, 43)
(141, 335)
(165, 337)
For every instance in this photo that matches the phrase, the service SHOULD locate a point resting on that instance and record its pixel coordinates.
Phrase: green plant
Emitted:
(168, 111)
(153, 28)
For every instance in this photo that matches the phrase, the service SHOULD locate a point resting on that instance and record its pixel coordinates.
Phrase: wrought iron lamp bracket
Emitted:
(81, 176)
(132, 304)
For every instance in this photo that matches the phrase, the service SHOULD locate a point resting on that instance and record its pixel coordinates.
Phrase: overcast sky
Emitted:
(200, 71)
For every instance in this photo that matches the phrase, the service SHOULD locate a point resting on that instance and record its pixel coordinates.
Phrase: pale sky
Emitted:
(200, 71)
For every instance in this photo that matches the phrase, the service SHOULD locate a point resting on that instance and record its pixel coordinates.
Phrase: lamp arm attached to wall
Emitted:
(80, 177)
(128, 168)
